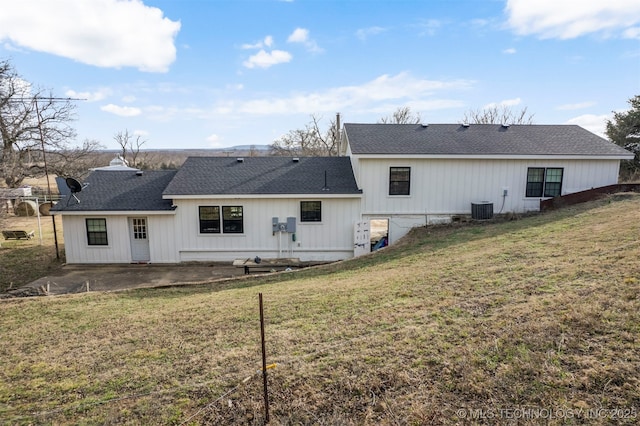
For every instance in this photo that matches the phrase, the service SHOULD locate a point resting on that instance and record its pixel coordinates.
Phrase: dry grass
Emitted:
(23, 261)
(540, 314)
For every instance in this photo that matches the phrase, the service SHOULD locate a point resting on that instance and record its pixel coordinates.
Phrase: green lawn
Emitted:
(536, 319)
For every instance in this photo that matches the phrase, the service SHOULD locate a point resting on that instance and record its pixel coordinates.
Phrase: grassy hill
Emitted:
(533, 321)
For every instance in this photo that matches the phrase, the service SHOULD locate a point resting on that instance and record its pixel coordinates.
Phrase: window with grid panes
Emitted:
(97, 232)
(399, 180)
(544, 182)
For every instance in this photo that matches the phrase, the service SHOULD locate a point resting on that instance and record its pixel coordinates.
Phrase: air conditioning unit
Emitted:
(482, 210)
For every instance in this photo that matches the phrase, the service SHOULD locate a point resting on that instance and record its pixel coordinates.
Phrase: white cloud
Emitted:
(20, 86)
(510, 51)
(103, 33)
(594, 123)
(10, 47)
(378, 96)
(266, 42)
(98, 95)
(503, 103)
(429, 27)
(264, 59)
(140, 133)
(301, 35)
(579, 105)
(366, 97)
(122, 111)
(364, 33)
(214, 141)
(566, 19)
(480, 23)
(633, 32)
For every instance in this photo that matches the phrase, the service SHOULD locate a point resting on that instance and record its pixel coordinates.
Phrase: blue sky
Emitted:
(220, 73)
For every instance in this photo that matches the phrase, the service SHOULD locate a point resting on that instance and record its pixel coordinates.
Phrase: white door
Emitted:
(361, 239)
(139, 239)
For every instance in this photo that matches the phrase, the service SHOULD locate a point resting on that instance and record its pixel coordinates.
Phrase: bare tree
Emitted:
(402, 115)
(129, 146)
(77, 161)
(498, 115)
(308, 142)
(29, 119)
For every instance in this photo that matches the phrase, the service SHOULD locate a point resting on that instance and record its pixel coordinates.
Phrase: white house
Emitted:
(414, 174)
(215, 208)
(319, 208)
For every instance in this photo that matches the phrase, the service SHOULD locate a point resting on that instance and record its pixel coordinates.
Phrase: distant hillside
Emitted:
(173, 158)
(203, 151)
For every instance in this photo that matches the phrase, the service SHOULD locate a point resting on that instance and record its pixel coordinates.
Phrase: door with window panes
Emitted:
(139, 239)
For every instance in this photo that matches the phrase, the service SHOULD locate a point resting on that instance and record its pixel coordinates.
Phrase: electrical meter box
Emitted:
(288, 226)
(291, 225)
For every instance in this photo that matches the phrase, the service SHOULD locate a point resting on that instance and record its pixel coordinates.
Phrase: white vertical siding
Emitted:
(77, 250)
(331, 239)
(448, 186)
(162, 239)
(441, 188)
(160, 230)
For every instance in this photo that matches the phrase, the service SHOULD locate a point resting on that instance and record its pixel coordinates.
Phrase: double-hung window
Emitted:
(232, 221)
(544, 182)
(217, 220)
(97, 232)
(399, 180)
(209, 219)
(310, 211)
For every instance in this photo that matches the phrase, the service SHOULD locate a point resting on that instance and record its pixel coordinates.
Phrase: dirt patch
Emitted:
(82, 278)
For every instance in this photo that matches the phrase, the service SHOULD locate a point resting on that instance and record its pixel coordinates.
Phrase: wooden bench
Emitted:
(17, 235)
(266, 265)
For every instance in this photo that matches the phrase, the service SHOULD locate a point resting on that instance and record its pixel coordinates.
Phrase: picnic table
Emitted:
(266, 265)
(17, 234)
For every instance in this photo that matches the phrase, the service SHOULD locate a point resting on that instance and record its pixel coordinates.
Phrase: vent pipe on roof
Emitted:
(325, 187)
(296, 159)
(425, 125)
(338, 130)
(465, 124)
(139, 173)
(240, 160)
(505, 125)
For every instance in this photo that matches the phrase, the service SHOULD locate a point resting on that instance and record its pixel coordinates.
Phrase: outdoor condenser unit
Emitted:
(482, 210)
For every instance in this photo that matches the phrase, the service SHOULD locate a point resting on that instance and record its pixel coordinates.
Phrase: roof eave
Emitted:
(327, 194)
(497, 156)
(113, 212)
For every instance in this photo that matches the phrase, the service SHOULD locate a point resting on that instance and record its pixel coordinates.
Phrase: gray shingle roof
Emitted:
(263, 175)
(121, 191)
(477, 139)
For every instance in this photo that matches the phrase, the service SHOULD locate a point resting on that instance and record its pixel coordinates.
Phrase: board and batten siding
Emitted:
(77, 250)
(162, 239)
(328, 240)
(160, 231)
(449, 186)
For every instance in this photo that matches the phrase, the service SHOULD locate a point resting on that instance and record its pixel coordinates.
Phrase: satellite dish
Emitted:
(73, 185)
